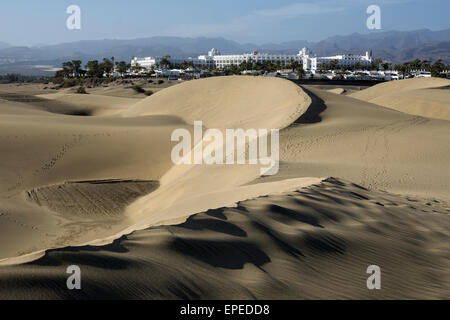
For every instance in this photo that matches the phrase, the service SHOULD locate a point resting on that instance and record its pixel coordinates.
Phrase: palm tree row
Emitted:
(435, 68)
(93, 69)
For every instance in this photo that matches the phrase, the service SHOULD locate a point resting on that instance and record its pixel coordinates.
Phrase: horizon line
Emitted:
(9, 45)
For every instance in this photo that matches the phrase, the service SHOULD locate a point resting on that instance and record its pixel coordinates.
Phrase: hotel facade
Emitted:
(309, 60)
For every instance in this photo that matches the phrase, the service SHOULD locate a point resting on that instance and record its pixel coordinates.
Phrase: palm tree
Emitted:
(376, 63)
(76, 64)
(165, 62)
(94, 69)
(107, 66)
(437, 68)
(425, 64)
(122, 67)
(416, 64)
(333, 64)
(68, 69)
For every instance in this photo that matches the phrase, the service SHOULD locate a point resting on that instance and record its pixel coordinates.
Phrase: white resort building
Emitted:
(310, 61)
(215, 59)
(146, 62)
(342, 61)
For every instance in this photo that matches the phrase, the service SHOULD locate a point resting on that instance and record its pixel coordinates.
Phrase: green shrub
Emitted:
(148, 92)
(138, 89)
(69, 83)
(160, 81)
(81, 90)
(58, 80)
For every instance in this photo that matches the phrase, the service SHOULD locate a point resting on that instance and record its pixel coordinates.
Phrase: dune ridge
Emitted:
(426, 97)
(144, 129)
(373, 146)
(229, 102)
(313, 243)
(215, 232)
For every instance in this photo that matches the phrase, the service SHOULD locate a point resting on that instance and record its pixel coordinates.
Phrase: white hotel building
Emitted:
(343, 60)
(215, 59)
(310, 61)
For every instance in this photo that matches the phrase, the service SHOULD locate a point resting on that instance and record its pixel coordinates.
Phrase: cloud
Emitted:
(254, 19)
(297, 10)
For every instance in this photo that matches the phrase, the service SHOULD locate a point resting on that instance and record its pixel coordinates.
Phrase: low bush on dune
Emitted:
(81, 90)
(69, 83)
(86, 82)
(18, 78)
(138, 89)
(160, 81)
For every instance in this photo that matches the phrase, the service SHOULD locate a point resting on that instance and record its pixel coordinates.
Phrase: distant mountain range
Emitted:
(396, 46)
(4, 45)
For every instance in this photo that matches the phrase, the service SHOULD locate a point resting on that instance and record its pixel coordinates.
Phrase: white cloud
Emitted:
(254, 19)
(297, 10)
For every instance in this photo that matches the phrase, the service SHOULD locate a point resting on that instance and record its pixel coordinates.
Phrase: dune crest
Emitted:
(426, 97)
(338, 90)
(222, 102)
(133, 147)
(282, 236)
(229, 102)
(312, 243)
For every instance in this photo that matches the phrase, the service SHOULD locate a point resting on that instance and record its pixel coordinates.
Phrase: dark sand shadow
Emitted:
(312, 115)
(51, 106)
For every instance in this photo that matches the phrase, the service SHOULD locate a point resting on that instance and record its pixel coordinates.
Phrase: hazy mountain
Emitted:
(290, 47)
(385, 45)
(396, 46)
(428, 51)
(4, 45)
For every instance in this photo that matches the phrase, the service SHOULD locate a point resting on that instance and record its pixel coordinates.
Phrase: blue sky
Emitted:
(30, 22)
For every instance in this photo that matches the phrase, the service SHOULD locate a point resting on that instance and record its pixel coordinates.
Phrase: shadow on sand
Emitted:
(312, 115)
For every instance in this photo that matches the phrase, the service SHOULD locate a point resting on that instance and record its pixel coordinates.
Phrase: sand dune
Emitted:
(314, 243)
(50, 150)
(338, 90)
(107, 197)
(257, 237)
(226, 102)
(229, 102)
(370, 145)
(45, 150)
(89, 104)
(426, 97)
(68, 104)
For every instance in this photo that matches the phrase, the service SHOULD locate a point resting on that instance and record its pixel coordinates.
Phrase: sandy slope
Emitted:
(229, 102)
(313, 243)
(91, 104)
(367, 144)
(427, 97)
(226, 102)
(39, 150)
(66, 103)
(51, 149)
(337, 90)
